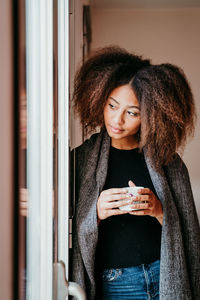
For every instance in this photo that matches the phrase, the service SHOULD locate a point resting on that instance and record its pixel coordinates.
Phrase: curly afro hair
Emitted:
(167, 111)
(106, 69)
(166, 101)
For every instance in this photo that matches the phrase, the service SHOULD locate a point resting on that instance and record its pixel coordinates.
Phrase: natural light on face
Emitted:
(122, 117)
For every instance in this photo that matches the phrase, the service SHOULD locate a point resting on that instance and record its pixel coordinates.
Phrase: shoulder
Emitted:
(88, 144)
(176, 171)
(176, 163)
(81, 152)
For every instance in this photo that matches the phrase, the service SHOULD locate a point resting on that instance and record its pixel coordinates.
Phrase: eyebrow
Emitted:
(131, 106)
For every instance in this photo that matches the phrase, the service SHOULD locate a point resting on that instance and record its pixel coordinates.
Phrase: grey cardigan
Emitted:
(180, 242)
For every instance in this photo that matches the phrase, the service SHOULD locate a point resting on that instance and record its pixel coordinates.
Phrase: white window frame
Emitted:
(39, 54)
(63, 133)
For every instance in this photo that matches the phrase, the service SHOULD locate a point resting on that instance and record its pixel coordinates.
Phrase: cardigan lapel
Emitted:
(94, 177)
(173, 270)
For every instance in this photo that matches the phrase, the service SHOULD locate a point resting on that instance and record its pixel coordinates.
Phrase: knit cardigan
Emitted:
(180, 241)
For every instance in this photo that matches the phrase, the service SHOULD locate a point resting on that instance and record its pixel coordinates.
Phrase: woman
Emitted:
(145, 113)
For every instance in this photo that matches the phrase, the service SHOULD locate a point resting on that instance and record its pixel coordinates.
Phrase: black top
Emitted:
(127, 240)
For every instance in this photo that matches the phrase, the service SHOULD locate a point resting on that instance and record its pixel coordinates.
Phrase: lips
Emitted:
(115, 129)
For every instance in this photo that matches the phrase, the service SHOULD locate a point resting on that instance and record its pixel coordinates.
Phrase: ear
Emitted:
(131, 183)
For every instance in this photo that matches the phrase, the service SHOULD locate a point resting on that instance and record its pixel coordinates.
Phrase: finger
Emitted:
(146, 205)
(141, 212)
(141, 198)
(23, 204)
(23, 212)
(119, 203)
(131, 183)
(115, 191)
(116, 197)
(115, 212)
(145, 191)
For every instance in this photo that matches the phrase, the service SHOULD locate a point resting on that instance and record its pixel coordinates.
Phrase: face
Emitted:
(122, 117)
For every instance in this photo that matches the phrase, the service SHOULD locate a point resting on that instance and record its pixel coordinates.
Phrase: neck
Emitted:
(124, 145)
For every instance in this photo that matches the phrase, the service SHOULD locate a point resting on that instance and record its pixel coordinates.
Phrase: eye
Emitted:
(111, 105)
(133, 114)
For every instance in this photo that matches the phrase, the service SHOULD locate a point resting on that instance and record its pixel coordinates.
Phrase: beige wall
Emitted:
(76, 44)
(164, 35)
(6, 149)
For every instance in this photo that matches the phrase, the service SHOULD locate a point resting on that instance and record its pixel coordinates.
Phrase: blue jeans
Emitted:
(135, 283)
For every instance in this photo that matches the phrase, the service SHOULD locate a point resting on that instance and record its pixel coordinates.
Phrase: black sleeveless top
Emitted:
(128, 240)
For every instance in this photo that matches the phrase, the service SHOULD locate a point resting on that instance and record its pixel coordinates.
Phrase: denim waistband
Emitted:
(137, 282)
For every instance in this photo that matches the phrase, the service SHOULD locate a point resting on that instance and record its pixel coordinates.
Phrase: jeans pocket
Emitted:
(111, 274)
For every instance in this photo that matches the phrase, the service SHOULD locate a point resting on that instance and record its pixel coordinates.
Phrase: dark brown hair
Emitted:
(165, 97)
(167, 111)
(106, 69)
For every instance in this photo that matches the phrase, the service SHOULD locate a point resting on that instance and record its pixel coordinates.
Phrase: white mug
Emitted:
(133, 191)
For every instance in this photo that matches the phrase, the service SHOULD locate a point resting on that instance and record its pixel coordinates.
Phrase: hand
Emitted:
(109, 202)
(23, 201)
(151, 207)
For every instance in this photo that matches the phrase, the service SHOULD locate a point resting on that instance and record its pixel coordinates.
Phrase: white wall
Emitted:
(164, 35)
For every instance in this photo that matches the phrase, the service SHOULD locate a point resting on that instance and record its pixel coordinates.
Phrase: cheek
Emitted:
(135, 125)
(106, 114)
(139, 122)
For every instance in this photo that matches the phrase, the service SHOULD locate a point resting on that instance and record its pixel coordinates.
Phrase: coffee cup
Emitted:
(133, 191)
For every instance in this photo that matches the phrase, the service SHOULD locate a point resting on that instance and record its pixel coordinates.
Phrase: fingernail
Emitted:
(133, 206)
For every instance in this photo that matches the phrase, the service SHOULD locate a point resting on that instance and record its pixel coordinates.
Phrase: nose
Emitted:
(119, 118)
